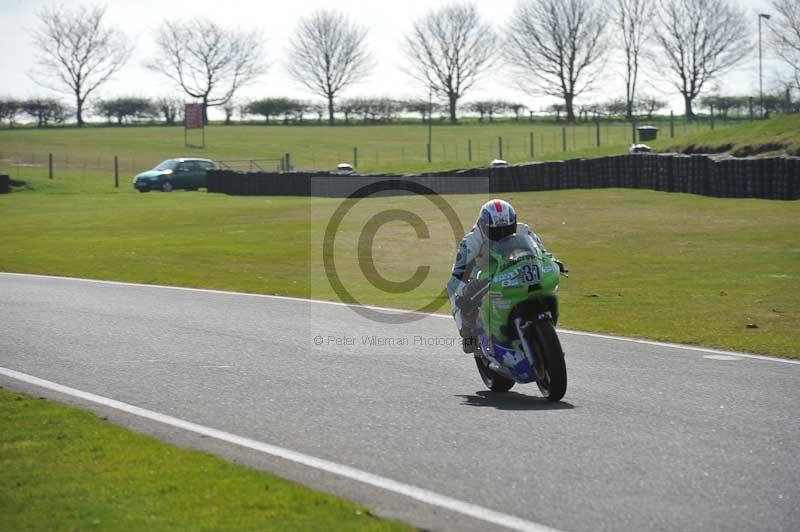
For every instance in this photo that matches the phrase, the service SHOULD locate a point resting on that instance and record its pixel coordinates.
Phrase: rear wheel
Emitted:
(491, 379)
(551, 375)
(166, 186)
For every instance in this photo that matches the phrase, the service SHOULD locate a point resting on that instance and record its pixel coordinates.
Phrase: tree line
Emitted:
(557, 48)
(127, 110)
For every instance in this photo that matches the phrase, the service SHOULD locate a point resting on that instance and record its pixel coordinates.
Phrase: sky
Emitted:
(387, 23)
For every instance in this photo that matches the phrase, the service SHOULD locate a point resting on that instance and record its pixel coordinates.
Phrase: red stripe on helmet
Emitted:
(498, 206)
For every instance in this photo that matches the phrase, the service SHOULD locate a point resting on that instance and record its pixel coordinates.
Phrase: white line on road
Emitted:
(401, 311)
(420, 494)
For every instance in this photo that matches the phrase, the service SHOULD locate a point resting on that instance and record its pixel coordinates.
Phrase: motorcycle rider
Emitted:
(496, 220)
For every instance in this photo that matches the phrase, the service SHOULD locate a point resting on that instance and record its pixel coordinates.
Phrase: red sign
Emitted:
(193, 113)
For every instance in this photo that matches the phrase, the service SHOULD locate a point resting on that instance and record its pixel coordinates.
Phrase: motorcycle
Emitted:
(516, 318)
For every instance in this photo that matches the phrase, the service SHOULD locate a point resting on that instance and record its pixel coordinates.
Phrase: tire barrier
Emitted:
(767, 178)
(5, 184)
(334, 185)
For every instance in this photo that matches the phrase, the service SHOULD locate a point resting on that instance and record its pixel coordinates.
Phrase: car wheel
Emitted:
(166, 186)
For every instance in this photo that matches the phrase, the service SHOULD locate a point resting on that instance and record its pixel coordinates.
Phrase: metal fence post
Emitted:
(563, 138)
(597, 130)
(116, 172)
(50, 166)
(532, 144)
(288, 163)
(429, 151)
(671, 124)
(500, 147)
(469, 149)
(355, 156)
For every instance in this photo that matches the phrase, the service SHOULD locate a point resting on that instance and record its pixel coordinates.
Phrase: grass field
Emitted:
(84, 159)
(655, 265)
(776, 136)
(64, 469)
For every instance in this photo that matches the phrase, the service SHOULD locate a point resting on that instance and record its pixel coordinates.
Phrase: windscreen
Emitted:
(516, 247)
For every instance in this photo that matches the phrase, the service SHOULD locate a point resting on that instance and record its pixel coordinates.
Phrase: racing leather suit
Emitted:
(472, 255)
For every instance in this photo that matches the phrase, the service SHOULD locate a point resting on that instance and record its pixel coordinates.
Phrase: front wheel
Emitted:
(552, 371)
(166, 186)
(493, 381)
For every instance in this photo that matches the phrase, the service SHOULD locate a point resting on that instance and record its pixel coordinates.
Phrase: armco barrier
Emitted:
(771, 178)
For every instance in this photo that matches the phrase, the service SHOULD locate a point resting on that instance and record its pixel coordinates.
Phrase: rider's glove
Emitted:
(463, 303)
(561, 267)
(466, 297)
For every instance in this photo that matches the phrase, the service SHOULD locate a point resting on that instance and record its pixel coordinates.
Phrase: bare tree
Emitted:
(516, 108)
(327, 53)
(557, 46)
(319, 109)
(127, 109)
(421, 106)
(44, 110)
(700, 40)
(488, 107)
(448, 49)
(77, 52)
(650, 104)
(9, 108)
(557, 108)
(786, 35)
(171, 108)
(615, 107)
(633, 19)
(207, 61)
(229, 109)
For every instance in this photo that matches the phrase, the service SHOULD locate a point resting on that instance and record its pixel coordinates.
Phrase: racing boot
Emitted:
(469, 340)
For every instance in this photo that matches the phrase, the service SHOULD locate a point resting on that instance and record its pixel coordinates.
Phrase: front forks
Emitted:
(536, 362)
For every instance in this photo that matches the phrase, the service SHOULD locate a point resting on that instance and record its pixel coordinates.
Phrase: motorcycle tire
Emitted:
(546, 343)
(493, 381)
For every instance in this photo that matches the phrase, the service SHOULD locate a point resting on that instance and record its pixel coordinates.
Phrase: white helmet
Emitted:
(497, 219)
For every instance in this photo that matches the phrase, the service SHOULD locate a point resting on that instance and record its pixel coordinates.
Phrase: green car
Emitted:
(187, 174)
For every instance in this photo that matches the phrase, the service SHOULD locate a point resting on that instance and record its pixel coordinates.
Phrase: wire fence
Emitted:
(541, 143)
(454, 148)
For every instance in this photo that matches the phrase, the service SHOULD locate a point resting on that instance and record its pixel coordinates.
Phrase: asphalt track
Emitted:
(649, 436)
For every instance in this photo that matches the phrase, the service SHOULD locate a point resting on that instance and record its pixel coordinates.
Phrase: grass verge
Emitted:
(65, 469)
(776, 136)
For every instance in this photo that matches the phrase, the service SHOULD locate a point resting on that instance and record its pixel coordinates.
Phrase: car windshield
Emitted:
(516, 247)
(169, 164)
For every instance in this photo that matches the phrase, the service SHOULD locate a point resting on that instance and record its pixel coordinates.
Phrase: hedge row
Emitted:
(773, 178)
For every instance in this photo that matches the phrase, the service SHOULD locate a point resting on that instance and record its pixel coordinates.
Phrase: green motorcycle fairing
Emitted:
(522, 283)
